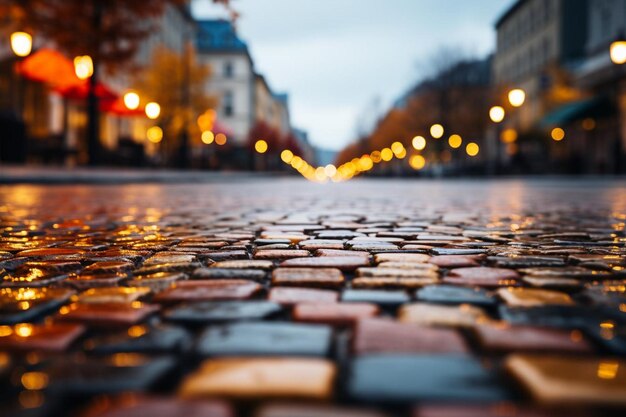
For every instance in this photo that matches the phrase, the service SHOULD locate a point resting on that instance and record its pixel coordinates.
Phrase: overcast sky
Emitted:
(335, 57)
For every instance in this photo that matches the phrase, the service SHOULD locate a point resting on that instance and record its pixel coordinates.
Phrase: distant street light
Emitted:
(472, 149)
(436, 131)
(455, 141)
(155, 134)
(496, 114)
(286, 156)
(83, 67)
(618, 51)
(153, 110)
(260, 146)
(419, 143)
(557, 134)
(207, 137)
(517, 97)
(21, 44)
(131, 100)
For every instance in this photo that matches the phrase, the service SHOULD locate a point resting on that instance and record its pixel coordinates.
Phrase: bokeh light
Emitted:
(455, 141)
(207, 137)
(419, 143)
(496, 114)
(260, 146)
(508, 136)
(131, 100)
(286, 156)
(155, 134)
(153, 110)
(221, 139)
(557, 134)
(417, 162)
(472, 149)
(517, 97)
(436, 131)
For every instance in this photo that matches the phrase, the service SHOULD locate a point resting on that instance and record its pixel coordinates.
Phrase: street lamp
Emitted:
(83, 67)
(517, 97)
(131, 100)
(618, 51)
(153, 110)
(436, 131)
(496, 114)
(21, 44)
(261, 146)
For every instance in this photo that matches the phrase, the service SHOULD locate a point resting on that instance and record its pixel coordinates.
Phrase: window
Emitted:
(228, 69)
(228, 105)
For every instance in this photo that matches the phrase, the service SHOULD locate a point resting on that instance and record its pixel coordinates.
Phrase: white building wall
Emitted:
(240, 85)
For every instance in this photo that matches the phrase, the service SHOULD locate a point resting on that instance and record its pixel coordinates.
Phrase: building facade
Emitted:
(233, 80)
(536, 39)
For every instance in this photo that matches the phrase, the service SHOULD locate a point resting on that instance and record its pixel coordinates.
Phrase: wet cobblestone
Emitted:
(276, 298)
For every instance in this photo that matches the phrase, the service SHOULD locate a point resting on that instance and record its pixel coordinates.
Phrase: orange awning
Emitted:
(49, 66)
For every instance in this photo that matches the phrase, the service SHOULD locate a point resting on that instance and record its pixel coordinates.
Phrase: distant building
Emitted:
(233, 80)
(534, 36)
(602, 140)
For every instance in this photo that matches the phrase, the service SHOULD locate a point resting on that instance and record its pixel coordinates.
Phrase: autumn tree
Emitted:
(109, 31)
(167, 80)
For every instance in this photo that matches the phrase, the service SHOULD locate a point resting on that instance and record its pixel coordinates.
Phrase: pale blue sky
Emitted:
(335, 56)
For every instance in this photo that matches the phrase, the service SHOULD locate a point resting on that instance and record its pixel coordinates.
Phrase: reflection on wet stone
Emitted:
(313, 305)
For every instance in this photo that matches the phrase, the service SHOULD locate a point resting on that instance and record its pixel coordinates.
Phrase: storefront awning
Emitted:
(50, 67)
(578, 110)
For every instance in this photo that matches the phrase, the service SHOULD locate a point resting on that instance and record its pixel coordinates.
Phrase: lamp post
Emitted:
(617, 52)
(22, 46)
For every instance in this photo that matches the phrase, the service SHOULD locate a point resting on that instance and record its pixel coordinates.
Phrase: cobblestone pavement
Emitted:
(281, 298)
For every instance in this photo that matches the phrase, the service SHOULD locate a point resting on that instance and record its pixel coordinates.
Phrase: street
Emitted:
(275, 296)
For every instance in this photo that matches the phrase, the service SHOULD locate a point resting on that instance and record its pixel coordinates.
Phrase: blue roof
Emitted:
(218, 36)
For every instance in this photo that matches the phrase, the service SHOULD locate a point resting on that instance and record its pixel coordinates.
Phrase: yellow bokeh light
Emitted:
(155, 134)
(618, 52)
(557, 134)
(330, 170)
(320, 173)
(21, 43)
(131, 100)
(517, 97)
(401, 154)
(436, 131)
(83, 67)
(153, 110)
(366, 163)
(472, 149)
(221, 139)
(455, 141)
(286, 156)
(508, 135)
(23, 329)
(386, 154)
(34, 380)
(207, 137)
(397, 147)
(496, 114)
(417, 162)
(296, 162)
(260, 146)
(419, 143)
(376, 158)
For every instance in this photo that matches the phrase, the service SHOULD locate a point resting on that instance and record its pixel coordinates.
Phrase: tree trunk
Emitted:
(93, 115)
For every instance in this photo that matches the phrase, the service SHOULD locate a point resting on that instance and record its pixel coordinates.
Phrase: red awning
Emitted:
(48, 66)
(80, 91)
(118, 108)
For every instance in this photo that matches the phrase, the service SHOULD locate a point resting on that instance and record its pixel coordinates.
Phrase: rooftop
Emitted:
(218, 36)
